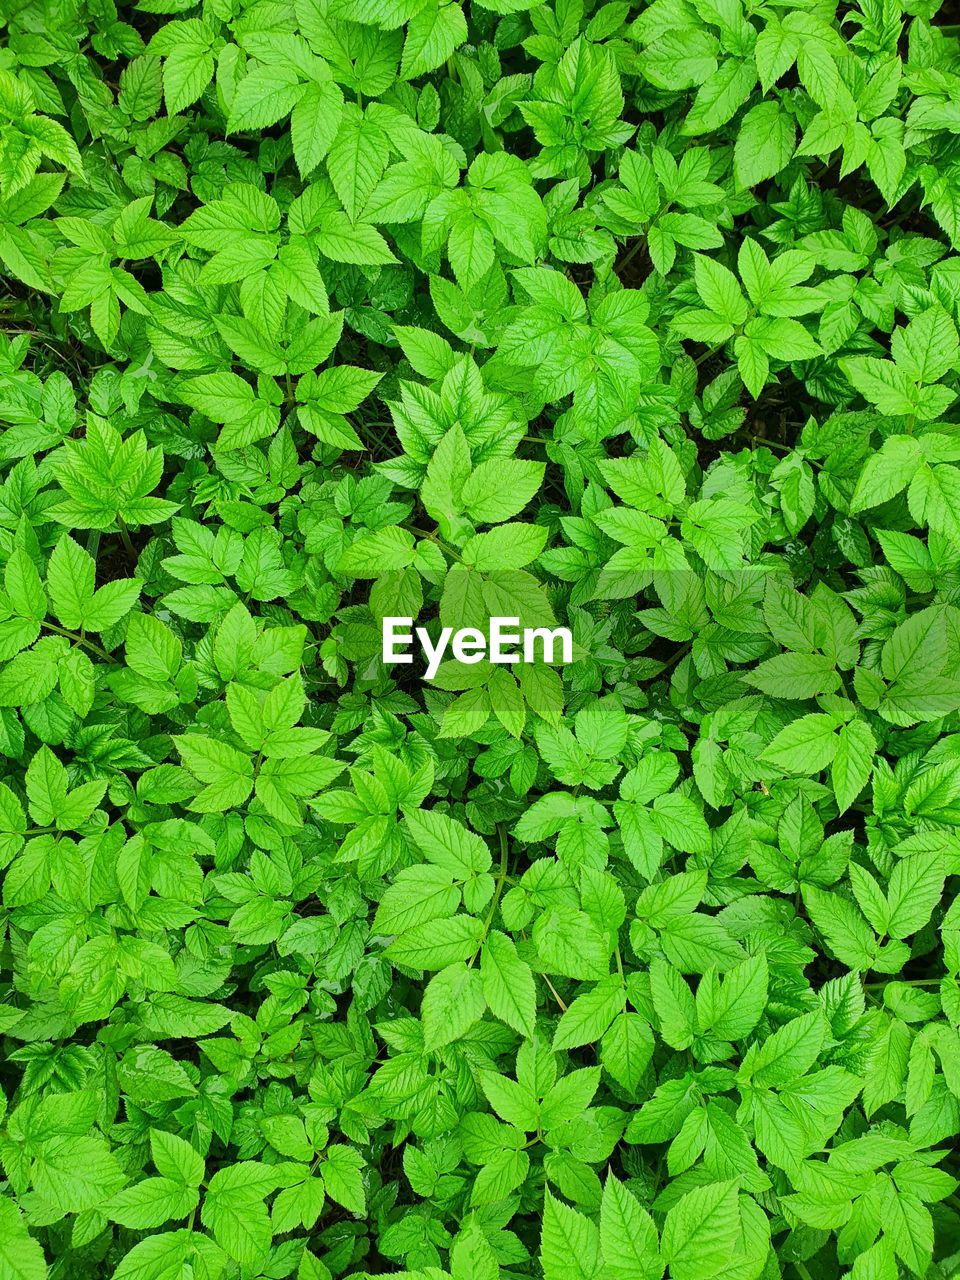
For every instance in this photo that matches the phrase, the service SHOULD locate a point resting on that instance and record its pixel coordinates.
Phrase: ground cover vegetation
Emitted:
(639, 320)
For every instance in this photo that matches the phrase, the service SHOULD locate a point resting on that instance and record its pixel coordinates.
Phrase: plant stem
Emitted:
(903, 982)
(125, 538)
(632, 252)
(498, 890)
(553, 992)
(432, 537)
(82, 640)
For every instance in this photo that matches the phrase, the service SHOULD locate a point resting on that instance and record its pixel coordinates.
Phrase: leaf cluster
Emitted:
(639, 320)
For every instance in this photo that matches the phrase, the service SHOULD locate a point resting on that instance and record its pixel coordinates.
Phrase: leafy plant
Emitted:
(640, 321)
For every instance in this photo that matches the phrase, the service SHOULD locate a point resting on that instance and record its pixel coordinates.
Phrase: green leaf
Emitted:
(569, 1243)
(842, 926)
(589, 1016)
(500, 488)
(789, 1053)
(267, 93)
(432, 36)
(70, 582)
(356, 159)
(75, 1172)
(175, 1158)
(448, 844)
(21, 1257)
(628, 1237)
(452, 1003)
(765, 144)
(342, 1178)
(508, 986)
(314, 123)
(850, 770)
(227, 773)
(151, 1202)
(234, 1210)
(731, 1008)
(806, 745)
(701, 1230)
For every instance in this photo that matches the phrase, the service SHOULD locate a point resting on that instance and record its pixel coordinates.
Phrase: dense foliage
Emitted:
(639, 320)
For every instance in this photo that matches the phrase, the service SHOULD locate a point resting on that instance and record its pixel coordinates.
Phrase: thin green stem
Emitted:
(437, 541)
(903, 982)
(126, 539)
(784, 448)
(498, 888)
(81, 640)
(705, 355)
(632, 252)
(677, 657)
(554, 993)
